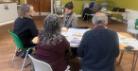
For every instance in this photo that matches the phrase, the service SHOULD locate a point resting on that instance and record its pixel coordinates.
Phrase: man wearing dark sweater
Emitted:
(25, 27)
(99, 47)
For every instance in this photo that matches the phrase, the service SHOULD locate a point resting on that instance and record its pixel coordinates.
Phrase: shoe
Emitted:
(18, 53)
(23, 54)
(30, 51)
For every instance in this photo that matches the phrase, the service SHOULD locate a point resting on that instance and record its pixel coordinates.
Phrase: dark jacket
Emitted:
(99, 49)
(25, 28)
(53, 52)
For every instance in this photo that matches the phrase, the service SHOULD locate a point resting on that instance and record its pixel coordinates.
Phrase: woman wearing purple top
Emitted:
(52, 45)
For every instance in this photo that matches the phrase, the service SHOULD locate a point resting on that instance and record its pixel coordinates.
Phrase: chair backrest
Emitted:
(40, 65)
(16, 40)
(136, 24)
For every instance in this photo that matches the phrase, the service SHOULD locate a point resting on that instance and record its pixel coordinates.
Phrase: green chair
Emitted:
(19, 46)
(136, 24)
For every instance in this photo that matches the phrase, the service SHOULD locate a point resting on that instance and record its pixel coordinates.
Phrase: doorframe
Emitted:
(52, 6)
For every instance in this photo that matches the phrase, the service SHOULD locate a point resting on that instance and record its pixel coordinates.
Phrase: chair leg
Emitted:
(13, 57)
(26, 55)
(84, 17)
(32, 67)
(121, 56)
(135, 58)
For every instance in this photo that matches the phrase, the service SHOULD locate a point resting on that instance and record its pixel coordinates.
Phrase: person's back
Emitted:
(24, 25)
(99, 49)
(53, 52)
(25, 28)
(52, 45)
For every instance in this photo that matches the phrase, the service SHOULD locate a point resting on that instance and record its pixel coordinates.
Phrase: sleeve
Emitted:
(33, 28)
(64, 19)
(82, 45)
(116, 45)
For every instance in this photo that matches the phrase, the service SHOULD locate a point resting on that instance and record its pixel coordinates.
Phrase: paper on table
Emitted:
(74, 36)
(133, 43)
(72, 32)
(128, 41)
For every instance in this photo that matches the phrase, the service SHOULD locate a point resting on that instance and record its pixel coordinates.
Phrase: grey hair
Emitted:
(23, 9)
(51, 27)
(100, 18)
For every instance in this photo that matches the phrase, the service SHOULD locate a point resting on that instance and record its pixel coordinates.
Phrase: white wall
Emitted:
(8, 15)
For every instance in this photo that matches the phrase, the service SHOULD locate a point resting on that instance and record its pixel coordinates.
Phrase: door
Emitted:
(35, 4)
(45, 5)
(41, 5)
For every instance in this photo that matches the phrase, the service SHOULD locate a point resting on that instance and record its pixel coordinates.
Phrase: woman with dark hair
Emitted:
(52, 45)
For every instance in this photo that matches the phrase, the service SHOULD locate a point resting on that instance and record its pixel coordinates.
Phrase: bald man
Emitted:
(99, 47)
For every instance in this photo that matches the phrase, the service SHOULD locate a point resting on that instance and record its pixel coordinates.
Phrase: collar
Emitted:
(100, 27)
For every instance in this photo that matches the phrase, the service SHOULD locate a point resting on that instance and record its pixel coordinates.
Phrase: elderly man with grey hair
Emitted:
(99, 47)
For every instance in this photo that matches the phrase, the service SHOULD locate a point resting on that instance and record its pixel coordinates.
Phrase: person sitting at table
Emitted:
(24, 26)
(88, 10)
(99, 47)
(69, 20)
(52, 46)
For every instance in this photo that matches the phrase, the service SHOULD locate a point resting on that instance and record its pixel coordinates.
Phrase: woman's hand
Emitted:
(64, 29)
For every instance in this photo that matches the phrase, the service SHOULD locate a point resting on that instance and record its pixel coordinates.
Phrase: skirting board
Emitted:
(12, 21)
(8, 22)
